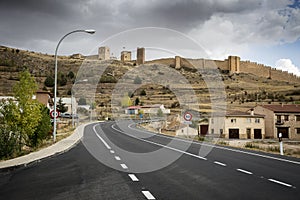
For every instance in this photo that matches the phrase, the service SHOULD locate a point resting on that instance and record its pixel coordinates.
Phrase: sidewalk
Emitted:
(57, 148)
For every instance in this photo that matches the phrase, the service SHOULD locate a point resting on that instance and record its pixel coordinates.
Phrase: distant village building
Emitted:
(104, 53)
(239, 125)
(186, 131)
(125, 56)
(147, 109)
(44, 97)
(140, 56)
(283, 119)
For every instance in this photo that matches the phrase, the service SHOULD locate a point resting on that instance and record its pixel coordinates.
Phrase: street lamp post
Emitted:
(72, 96)
(90, 31)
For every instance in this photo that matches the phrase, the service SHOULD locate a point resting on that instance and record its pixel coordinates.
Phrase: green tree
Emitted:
(126, 101)
(43, 128)
(49, 82)
(28, 109)
(61, 106)
(143, 93)
(71, 75)
(137, 101)
(160, 113)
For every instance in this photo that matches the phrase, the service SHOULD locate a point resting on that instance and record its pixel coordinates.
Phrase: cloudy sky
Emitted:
(263, 31)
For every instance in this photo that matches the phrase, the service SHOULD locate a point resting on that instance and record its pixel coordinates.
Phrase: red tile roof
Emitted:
(284, 108)
(241, 114)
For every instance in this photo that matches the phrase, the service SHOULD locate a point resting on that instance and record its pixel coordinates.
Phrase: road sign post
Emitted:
(187, 117)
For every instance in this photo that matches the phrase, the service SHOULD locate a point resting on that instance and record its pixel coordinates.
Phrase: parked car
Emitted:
(66, 115)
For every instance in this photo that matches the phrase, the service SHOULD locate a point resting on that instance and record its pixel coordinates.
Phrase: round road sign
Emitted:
(52, 114)
(187, 116)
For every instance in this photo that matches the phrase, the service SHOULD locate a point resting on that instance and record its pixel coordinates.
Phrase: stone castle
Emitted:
(232, 65)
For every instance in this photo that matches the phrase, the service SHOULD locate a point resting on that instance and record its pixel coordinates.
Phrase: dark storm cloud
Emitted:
(29, 23)
(181, 15)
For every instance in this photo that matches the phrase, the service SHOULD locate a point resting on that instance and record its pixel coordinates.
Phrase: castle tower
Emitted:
(125, 56)
(177, 62)
(234, 64)
(103, 53)
(140, 56)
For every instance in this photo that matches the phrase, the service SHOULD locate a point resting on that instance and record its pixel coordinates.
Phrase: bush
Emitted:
(108, 79)
(49, 82)
(8, 142)
(143, 93)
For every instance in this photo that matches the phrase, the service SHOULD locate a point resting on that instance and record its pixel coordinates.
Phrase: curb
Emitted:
(60, 147)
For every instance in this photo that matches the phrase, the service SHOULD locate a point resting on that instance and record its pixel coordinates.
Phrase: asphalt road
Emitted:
(118, 161)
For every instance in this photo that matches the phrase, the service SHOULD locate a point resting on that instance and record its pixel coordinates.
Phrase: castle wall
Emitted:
(254, 68)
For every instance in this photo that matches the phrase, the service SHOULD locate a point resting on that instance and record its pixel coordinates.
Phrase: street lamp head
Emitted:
(90, 31)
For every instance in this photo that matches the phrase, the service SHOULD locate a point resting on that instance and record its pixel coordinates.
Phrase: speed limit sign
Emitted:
(187, 116)
(52, 114)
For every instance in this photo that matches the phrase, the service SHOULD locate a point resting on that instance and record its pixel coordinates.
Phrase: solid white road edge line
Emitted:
(244, 171)
(279, 182)
(171, 148)
(112, 151)
(218, 147)
(107, 146)
(148, 195)
(219, 163)
(133, 177)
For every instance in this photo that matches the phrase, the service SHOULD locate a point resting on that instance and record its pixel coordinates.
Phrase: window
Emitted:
(257, 120)
(248, 120)
(278, 118)
(212, 120)
(286, 118)
(298, 130)
(212, 131)
(233, 120)
(221, 131)
(298, 118)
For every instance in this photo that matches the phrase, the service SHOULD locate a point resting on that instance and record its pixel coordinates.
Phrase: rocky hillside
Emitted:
(241, 90)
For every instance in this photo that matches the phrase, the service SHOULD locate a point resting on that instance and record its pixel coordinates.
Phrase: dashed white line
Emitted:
(244, 171)
(133, 177)
(124, 166)
(148, 195)
(107, 146)
(161, 145)
(112, 151)
(117, 158)
(279, 182)
(219, 163)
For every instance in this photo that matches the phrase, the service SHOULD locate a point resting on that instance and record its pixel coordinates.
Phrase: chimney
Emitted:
(252, 112)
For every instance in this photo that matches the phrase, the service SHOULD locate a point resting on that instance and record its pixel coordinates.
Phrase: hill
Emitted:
(242, 90)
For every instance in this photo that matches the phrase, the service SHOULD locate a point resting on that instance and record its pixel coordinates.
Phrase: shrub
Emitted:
(49, 82)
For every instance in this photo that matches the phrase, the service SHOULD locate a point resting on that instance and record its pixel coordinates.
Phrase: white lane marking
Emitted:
(244, 171)
(112, 151)
(218, 147)
(148, 195)
(133, 177)
(279, 182)
(124, 166)
(171, 148)
(107, 146)
(219, 163)
(117, 158)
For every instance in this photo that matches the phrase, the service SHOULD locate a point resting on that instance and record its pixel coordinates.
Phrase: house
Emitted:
(44, 97)
(186, 131)
(147, 109)
(238, 125)
(282, 118)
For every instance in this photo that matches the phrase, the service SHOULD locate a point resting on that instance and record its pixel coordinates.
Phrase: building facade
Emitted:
(283, 119)
(125, 56)
(238, 125)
